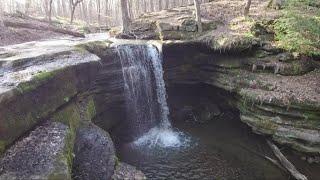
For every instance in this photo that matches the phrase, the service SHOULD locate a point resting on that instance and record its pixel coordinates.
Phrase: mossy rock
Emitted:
(36, 81)
(36, 99)
(95, 47)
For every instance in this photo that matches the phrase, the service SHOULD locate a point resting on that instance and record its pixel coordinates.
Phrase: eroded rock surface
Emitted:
(40, 155)
(284, 107)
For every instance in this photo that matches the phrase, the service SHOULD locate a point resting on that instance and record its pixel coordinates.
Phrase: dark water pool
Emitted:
(219, 148)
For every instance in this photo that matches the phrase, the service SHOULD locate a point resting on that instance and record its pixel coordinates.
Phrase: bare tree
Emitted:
(50, 11)
(99, 11)
(1, 14)
(247, 8)
(27, 7)
(73, 6)
(198, 14)
(125, 16)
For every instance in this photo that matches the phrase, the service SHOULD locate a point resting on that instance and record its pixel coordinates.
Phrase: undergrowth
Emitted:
(298, 29)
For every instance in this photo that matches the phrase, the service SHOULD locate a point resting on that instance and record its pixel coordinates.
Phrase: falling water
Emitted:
(145, 94)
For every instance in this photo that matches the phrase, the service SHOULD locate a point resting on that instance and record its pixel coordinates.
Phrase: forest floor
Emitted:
(40, 29)
(11, 35)
(225, 11)
(228, 12)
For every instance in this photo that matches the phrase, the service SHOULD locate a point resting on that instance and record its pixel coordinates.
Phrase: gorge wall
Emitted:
(62, 87)
(271, 101)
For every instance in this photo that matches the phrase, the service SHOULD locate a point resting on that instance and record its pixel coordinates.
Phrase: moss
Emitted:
(91, 109)
(59, 176)
(117, 161)
(69, 155)
(297, 30)
(36, 81)
(2, 147)
(311, 116)
(96, 47)
(70, 116)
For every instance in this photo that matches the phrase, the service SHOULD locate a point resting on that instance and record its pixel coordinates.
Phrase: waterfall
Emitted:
(145, 95)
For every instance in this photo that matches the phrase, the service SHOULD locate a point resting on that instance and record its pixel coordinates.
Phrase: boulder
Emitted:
(126, 171)
(94, 154)
(41, 155)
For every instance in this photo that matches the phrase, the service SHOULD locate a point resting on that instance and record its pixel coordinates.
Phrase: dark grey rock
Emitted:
(40, 155)
(128, 172)
(94, 154)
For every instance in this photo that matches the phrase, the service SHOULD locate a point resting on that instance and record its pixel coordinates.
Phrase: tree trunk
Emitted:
(247, 8)
(73, 9)
(198, 15)
(50, 11)
(1, 14)
(99, 11)
(287, 164)
(27, 7)
(124, 16)
(1, 22)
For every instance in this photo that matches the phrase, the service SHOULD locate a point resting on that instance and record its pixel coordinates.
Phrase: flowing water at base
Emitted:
(215, 150)
(223, 148)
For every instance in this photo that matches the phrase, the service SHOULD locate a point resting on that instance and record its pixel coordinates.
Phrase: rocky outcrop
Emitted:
(94, 154)
(67, 83)
(270, 100)
(40, 155)
(36, 79)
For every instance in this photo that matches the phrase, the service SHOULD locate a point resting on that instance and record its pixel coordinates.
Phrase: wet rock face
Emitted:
(126, 171)
(200, 113)
(40, 155)
(271, 102)
(94, 154)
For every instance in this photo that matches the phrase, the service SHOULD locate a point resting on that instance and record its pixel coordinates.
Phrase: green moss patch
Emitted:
(2, 147)
(35, 82)
(298, 28)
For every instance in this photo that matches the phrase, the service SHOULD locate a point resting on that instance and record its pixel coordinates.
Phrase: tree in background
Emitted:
(198, 14)
(73, 6)
(27, 7)
(1, 14)
(48, 9)
(247, 8)
(107, 12)
(124, 16)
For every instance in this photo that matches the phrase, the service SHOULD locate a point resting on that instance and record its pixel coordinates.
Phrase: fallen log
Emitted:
(273, 161)
(41, 27)
(286, 163)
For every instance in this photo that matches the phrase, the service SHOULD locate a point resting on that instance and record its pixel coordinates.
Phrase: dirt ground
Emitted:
(229, 14)
(10, 35)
